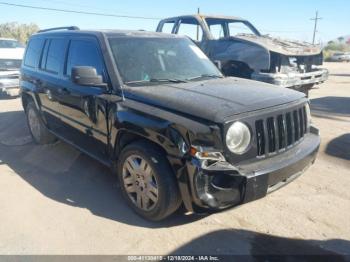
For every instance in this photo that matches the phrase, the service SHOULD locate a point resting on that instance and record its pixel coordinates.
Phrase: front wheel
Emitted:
(147, 181)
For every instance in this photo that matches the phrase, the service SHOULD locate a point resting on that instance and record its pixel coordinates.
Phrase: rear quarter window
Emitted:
(167, 27)
(33, 52)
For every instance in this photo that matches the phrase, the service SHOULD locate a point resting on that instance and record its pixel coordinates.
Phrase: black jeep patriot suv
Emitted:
(156, 110)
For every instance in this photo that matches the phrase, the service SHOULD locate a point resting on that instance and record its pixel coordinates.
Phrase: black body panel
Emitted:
(215, 100)
(101, 120)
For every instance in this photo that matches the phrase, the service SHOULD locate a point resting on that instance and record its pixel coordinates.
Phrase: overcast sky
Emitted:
(289, 19)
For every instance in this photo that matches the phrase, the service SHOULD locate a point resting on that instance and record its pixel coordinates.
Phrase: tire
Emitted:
(147, 181)
(39, 132)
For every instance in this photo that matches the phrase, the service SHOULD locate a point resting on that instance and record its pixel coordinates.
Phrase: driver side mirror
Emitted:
(86, 76)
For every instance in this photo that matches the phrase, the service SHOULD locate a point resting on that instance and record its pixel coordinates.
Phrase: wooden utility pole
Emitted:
(315, 27)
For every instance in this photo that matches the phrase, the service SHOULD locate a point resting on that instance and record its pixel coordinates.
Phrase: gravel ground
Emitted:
(54, 200)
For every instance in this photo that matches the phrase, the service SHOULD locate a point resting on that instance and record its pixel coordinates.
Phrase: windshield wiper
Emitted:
(157, 80)
(167, 80)
(204, 76)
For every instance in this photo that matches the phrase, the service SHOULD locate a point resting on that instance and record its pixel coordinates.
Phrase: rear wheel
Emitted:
(37, 128)
(147, 181)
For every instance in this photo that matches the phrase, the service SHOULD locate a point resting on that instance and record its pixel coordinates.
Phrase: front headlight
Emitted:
(238, 138)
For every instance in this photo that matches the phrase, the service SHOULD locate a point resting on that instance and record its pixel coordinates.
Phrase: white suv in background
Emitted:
(11, 54)
(340, 57)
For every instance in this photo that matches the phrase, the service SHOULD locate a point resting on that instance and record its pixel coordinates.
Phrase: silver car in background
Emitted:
(340, 57)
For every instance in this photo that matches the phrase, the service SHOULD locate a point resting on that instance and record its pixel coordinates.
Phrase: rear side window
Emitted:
(168, 27)
(191, 28)
(33, 52)
(55, 55)
(84, 53)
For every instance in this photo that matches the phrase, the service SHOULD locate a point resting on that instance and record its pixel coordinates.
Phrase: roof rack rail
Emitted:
(59, 28)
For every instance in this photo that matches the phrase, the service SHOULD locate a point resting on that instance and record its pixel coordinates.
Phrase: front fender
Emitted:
(171, 131)
(253, 55)
(30, 89)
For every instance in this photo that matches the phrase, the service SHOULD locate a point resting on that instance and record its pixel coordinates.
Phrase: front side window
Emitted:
(217, 31)
(148, 60)
(33, 52)
(228, 27)
(84, 53)
(239, 28)
(168, 27)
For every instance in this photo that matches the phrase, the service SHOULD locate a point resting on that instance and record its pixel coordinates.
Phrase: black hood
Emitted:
(215, 100)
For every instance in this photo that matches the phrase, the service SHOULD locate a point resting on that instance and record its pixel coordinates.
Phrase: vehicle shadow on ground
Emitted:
(339, 147)
(65, 175)
(330, 106)
(244, 242)
(342, 75)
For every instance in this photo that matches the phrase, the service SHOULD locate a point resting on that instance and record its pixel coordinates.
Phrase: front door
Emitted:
(84, 111)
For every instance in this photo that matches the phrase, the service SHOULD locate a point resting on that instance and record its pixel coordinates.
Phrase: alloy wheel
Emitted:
(140, 182)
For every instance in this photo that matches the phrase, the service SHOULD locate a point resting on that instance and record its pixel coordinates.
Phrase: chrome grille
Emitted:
(278, 132)
(10, 63)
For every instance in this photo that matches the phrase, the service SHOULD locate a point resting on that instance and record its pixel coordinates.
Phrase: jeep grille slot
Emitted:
(305, 119)
(271, 134)
(296, 126)
(281, 126)
(289, 129)
(276, 133)
(260, 137)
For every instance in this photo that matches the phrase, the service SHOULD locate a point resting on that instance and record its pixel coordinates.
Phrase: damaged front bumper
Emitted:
(293, 80)
(221, 185)
(9, 83)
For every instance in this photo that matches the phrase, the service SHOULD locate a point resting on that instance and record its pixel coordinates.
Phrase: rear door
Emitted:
(50, 82)
(83, 111)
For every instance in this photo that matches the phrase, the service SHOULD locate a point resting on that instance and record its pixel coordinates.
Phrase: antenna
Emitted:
(198, 12)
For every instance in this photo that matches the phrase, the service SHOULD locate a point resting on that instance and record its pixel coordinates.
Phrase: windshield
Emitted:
(153, 60)
(10, 44)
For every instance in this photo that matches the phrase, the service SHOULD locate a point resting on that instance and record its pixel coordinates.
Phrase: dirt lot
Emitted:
(54, 200)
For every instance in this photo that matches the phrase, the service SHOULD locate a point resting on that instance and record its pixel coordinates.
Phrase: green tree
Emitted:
(340, 39)
(21, 32)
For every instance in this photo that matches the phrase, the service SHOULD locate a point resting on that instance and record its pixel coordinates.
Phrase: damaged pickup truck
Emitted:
(243, 52)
